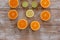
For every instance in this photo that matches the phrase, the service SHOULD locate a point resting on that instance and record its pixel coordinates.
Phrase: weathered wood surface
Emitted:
(49, 30)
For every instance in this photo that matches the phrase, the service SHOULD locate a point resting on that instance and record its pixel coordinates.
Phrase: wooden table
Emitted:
(49, 30)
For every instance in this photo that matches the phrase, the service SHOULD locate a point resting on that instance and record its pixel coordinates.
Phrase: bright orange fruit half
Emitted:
(35, 25)
(22, 24)
(45, 3)
(13, 3)
(45, 15)
(12, 14)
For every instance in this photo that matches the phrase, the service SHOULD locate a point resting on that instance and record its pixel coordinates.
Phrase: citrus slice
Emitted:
(34, 4)
(45, 15)
(22, 24)
(12, 14)
(35, 25)
(25, 4)
(13, 3)
(29, 13)
(45, 3)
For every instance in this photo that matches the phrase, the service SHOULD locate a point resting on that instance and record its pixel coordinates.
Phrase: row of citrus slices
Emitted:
(22, 23)
(43, 3)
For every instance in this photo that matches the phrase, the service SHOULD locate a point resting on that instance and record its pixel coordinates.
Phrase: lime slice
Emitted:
(25, 4)
(34, 4)
(29, 13)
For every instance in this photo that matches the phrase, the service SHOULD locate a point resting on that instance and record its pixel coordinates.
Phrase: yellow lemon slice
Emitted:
(29, 13)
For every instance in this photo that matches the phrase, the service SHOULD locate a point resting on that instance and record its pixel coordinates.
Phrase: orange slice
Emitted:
(12, 14)
(45, 3)
(22, 24)
(35, 25)
(13, 3)
(45, 15)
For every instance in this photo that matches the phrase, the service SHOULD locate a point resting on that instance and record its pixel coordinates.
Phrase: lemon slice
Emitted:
(25, 4)
(29, 13)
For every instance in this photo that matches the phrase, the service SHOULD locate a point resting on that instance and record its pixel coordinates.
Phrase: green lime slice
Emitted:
(34, 4)
(29, 13)
(25, 4)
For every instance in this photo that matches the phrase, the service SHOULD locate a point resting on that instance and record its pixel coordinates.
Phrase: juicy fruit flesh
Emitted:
(12, 14)
(35, 25)
(45, 15)
(45, 3)
(13, 3)
(22, 24)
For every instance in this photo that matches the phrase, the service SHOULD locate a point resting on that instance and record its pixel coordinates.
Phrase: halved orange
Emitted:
(35, 25)
(22, 24)
(45, 15)
(12, 14)
(45, 3)
(13, 3)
